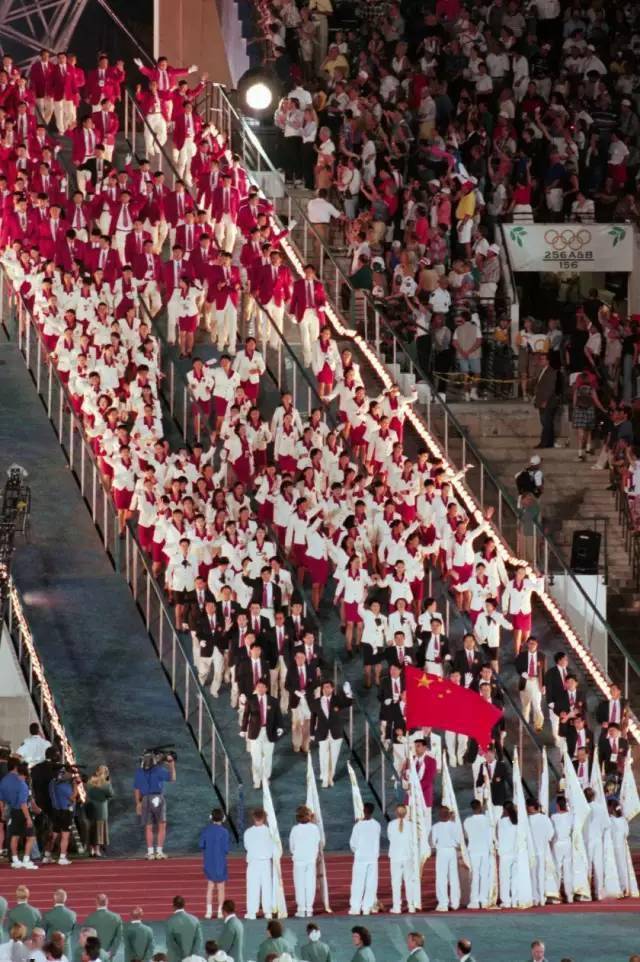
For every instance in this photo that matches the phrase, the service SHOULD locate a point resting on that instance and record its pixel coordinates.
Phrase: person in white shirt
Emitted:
(375, 633)
(258, 845)
(596, 827)
(487, 631)
(399, 835)
(562, 821)
(365, 845)
(479, 832)
(508, 852)
(33, 748)
(304, 845)
(542, 834)
(446, 839)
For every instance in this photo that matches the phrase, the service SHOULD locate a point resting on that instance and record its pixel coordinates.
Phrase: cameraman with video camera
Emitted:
(157, 766)
(63, 793)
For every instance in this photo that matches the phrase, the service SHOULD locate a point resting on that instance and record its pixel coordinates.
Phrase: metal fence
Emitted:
(127, 557)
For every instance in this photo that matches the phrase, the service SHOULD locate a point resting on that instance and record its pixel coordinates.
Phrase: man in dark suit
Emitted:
(259, 624)
(211, 644)
(583, 764)
(310, 645)
(546, 400)
(252, 669)
(267, 594)
(530, 665)
(576, 734)
(296, 623)
(495, 774)
(614, 710)
(262, 726)
(468, 661)
(434, 649)
(281, 644)
(613, 750)
(97, 168)
(389, 694)
(397, 654)
(302, 680)
(327, 726)
(554, 684)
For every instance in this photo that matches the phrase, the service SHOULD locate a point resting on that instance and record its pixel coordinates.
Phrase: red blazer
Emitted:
(300, 300)
(217, 203)
(82, 145)
(106, 130)
(180, 129)
(41, 79)
(171, 211)
(201, 265)
(115, 214)
(53, 190)
(112, 267)
(25, 129)
(173, 74)
(65, 85)
(66, 252)
(47, 241)
(178, 99)
(148, 105)
(169, 274)
(134, 245)
(181, 236)
(200, 166)
(247, 215)
(70, 214)
(140, 266)
(12, 229)
(96, 88)
(249, 255)
(219, 297)
(277, 289)
(155, 208)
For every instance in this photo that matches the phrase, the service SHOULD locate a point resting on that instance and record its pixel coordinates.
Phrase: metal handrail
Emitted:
(191, 696)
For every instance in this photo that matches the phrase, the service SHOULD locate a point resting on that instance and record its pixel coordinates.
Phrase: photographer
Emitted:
(63, 792)
(156, 768)
(14, 798)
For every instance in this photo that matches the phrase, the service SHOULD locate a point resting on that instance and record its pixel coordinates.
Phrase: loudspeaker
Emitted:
(585, 552)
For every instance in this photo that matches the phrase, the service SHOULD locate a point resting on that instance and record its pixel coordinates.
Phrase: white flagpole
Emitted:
(313, 804)
(629, 798)
(526, 851)
(358, 808)
(279, 901)
(449, 801)
(420, 826)
(543, 789)
(579, 807)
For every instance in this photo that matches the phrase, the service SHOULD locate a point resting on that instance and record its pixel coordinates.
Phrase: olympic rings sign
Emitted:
(567, 239)
(570, 247)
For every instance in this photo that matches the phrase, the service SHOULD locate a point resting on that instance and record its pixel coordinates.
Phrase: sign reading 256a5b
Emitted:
(570, 247)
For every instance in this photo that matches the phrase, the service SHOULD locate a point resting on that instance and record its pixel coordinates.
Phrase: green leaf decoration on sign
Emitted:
(617, 234)
(517, 235)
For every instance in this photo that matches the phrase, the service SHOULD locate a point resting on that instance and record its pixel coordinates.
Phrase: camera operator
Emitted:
(15, 800)
(148, 788)
(41, 775)
(63, 792)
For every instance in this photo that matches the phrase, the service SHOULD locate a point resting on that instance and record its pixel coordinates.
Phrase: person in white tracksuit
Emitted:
(399, 834)
(562, 848)
(507, 851)
(541, 834)
(479, 831)
(446, 839)
(304, 845)
(620, 836)
(595, 827)
(259, 848)
(365, 845)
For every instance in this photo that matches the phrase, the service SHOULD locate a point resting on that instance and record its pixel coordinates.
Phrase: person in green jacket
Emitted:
(99, 793)
(415, 944)
(314, 950)
(59, 918)
(361, 938)
(184, 934)
(231, 938)
(108, 926)
(275, 943)
(137, 938)
(22, 913)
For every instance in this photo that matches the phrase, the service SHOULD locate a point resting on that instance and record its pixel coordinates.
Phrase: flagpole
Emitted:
(279, 900)
(358, 807)
(313, 804)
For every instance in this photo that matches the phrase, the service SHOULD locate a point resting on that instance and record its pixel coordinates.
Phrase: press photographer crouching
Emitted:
(64, 790)
(157, 766)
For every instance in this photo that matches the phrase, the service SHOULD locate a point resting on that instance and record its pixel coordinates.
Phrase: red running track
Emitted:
(152, 885)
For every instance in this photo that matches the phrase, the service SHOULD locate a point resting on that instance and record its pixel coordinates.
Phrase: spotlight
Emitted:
(259, 90)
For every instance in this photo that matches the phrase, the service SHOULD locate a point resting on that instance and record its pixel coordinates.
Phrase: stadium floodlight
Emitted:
(259, 90)
(258, 96)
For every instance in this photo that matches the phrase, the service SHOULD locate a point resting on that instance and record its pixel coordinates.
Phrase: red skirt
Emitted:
(122, 498)
(417, 589)
(201, 407)
(357, 436)
(145, 536)
(325, 375)
(520, 622)
(265, 512)
(106, 469)
(251, 390)
(157, 552)
(299, 555)
(220, 404)
(64, 376)
(427, 535)
(352, 613)
(188, 325)
(260, 459)
(463, 572)
(242, 468)
(318, 569)
(396, 425)
(50, 341)
(474, 615)
(287, 463)
(408, 513)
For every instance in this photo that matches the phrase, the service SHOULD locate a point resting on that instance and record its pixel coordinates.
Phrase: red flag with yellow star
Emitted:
(437, 703)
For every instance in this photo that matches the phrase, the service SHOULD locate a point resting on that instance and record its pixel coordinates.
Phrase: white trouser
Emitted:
(300, 722)
(108, 151)
(309, 332)
(204, 668)
(119, 241)
(173, 313)
(539, 879)
(45, 108)
(480, 879)
(531, 698)
(456, 748)
(225, 233)
(562, 856)
(364, 887)
(277, 678)
(182, 159)
(259, 887)
(329, 752)
(269, 324)
(261, 758)
(158, 233)
(508, 879)
(304, 884)
(82, 176)
(434, 668)
(104, 221)
(226, 326)
(401, 870)
(447, 878)
(150, 297)
(64, 112)
(156, 124)
(218, 672)
(595, 858)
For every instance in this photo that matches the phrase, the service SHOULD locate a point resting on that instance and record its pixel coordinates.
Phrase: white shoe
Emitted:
(46, 859)
(473, 906)
(17, 864)
(160, 856)
(301, 915)
(28, 864)
(63, 860)
(220, 915)
(441, 908)
(209, 913)
(395, 911)
(150, 856)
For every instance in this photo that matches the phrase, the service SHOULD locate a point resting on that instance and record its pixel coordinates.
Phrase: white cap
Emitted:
(535, 459)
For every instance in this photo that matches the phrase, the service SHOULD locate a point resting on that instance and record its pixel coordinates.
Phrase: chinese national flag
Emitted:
(435, 702)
